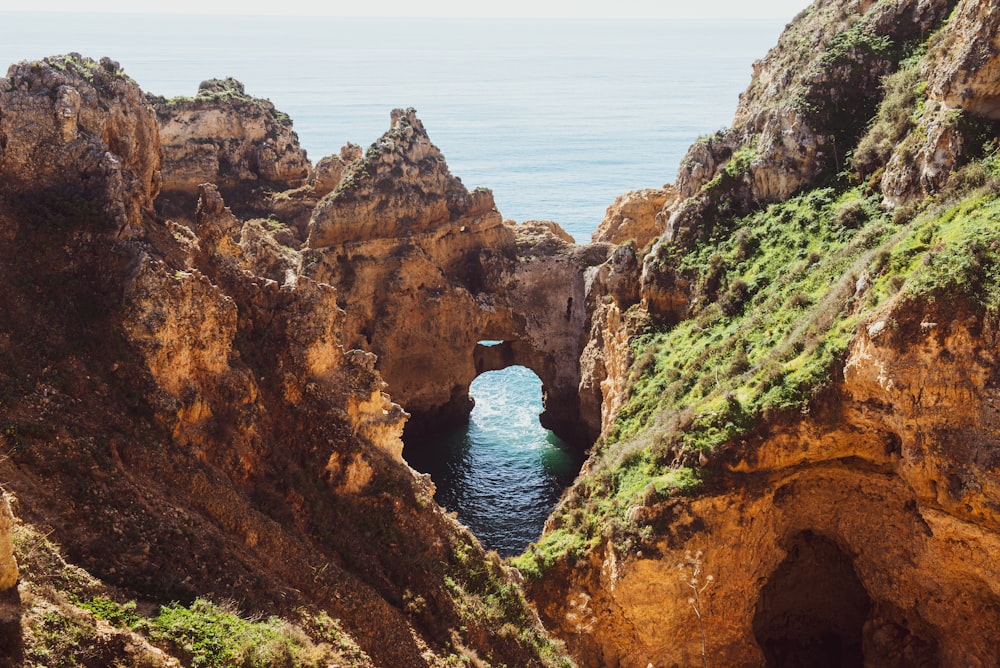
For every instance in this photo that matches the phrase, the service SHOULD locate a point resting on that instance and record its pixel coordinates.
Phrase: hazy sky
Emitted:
(709, 9)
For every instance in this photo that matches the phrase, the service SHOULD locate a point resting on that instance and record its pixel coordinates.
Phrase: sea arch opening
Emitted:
(502, 472)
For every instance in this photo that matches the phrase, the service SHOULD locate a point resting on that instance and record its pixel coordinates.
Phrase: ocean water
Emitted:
(556, 117)
(504, 472)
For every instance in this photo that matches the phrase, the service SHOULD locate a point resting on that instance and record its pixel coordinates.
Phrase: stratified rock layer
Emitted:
(224, 136)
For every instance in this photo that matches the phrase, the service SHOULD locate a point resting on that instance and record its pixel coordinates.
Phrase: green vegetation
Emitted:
(897, 114)
(97, 73)
(486, 593)
(63, 607)
(776, 299)
(121, 615)
(209, 634)
(771, 314)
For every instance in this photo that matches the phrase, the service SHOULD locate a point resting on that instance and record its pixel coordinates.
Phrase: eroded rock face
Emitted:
(401, 186)
(962, 69)
(71, 127)
(183, 408)
(425, 270)
(225, 137)
(542, 295)
(635, 215)
(8, 564)
(865, 531)
(921, 163)
(967, 60)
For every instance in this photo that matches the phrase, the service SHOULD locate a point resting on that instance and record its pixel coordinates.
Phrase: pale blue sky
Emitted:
(658, 9)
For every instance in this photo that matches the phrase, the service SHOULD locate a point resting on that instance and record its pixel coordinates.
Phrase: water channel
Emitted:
(503, 473)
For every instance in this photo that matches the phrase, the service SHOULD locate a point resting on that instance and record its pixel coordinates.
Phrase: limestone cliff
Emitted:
(426, 269)
(797, 463)
(636, 215)
(223, 136)
(183, 414)
(787, 362)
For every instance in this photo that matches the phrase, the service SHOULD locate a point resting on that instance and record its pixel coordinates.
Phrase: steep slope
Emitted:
(798, 462)
(188, 428)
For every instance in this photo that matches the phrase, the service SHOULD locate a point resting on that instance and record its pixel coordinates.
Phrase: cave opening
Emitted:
(503, 472)
(812, 610)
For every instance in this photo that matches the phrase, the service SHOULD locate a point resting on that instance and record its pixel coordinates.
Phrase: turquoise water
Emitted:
(503, 473)
(557, 117)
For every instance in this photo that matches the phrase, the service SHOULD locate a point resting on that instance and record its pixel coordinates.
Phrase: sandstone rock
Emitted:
(966, 60)
(295, 207)
(923, 161)
(634, 215)
(73, 127)
(785, 133)
(401, 186)
(606, 357)
(789, 541)
(8, 564)
(188, 425)
(226, 137)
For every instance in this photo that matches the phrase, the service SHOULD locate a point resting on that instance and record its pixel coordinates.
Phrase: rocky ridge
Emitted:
(184, 418)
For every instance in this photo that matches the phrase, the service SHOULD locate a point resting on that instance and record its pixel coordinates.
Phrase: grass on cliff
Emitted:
(777, 299)
(69, 618)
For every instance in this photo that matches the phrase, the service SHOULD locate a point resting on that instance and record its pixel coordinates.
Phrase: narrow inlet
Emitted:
(503, 472)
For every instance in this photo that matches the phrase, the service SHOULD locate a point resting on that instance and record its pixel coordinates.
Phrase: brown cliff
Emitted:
(426, 269)
(183, 417)
(223, 136)
(797, 463)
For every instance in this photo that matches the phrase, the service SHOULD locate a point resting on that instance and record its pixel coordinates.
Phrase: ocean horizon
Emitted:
(557, 117)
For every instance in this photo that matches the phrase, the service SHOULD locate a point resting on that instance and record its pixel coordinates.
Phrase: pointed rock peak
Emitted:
(400, 186)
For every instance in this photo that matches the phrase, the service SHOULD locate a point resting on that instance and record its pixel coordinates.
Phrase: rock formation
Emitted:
(744, 507)
(181, 411)
(61, 106)
(426, 269)
(636, 215)
(787, 360)
(224, 136)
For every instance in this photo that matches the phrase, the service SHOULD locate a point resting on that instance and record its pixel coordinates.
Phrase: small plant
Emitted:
(691, 578)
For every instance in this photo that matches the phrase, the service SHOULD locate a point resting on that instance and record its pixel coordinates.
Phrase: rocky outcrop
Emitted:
(542, 294)
(809, 102)
(425, 270)
(784, 556)
(922, 163)
(8, 564)
(401, 186)
(226, 137)
(961, 71)
(70, 128)
(966, 60)
(635, 215)
(295, 207)
(854, 527)
(183, 410)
